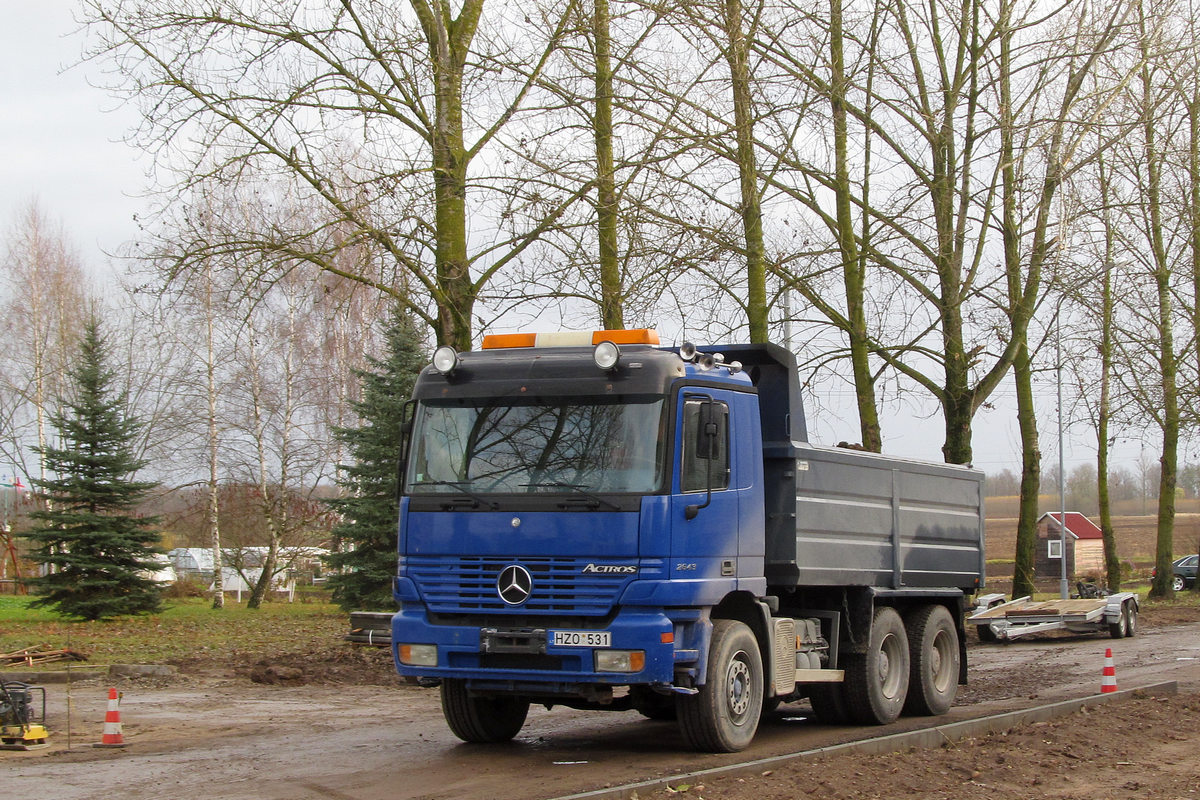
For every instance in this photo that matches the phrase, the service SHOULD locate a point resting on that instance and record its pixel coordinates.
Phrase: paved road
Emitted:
(225, 739)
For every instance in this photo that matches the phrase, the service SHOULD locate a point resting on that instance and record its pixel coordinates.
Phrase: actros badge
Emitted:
(611, 569)
(514, 585)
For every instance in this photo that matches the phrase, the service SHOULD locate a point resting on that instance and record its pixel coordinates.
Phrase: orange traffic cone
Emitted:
(1108, 683)
(112, 723)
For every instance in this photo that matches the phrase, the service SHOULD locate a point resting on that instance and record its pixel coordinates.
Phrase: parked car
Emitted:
(1184, 572)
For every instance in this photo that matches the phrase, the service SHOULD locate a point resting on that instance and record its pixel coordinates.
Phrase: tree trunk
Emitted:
(1169, 419)
(612, 315)
(853, 264)
(751, 203)
(214, 506)
(449, 40)
(1112, 562)
(1031, 477)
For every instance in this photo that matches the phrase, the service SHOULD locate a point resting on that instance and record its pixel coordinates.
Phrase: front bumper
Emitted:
(519, 657)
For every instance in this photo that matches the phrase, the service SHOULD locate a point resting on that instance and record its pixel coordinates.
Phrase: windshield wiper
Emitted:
(597, 501)
(479, 499)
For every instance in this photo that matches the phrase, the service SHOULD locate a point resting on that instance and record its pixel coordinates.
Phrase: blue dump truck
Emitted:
(591, 520)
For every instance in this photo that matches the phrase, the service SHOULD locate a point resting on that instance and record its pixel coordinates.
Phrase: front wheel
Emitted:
(481, 720)
(723, 716)
(877, 680)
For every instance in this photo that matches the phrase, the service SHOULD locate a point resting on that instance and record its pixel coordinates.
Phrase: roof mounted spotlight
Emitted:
(445, 360)
(607, 356)
(687, 351)
(706, 361)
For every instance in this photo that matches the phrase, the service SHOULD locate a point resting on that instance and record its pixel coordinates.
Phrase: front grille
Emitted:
(461, 585)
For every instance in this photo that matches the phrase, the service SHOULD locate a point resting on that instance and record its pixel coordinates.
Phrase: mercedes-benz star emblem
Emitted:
(514, 585)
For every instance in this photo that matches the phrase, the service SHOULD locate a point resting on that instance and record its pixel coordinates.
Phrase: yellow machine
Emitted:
(21, 727)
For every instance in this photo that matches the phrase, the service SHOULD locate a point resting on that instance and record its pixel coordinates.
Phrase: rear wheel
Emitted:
(877, 681)
(829, 703)
(481, 719)
(1131, 614)
(934, 657)
(1177, 583)
(723, 716)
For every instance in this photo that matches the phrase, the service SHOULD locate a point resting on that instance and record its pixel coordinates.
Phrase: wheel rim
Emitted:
(941, 659)
(890, 658)
(738, 686)
(1177, 583)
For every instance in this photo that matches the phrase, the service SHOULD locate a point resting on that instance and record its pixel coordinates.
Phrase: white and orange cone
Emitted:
(1108, 683)
(112, 737)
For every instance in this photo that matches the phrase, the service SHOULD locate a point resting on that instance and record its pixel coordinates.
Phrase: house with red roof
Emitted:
(1085, 546)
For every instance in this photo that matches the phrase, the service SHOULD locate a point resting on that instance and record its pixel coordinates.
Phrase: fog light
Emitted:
(418, 655)
(620, 660)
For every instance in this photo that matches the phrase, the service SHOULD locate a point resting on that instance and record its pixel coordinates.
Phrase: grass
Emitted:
(187, 630)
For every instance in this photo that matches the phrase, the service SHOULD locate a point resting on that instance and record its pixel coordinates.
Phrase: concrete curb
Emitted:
(924, 738)
(91, 672)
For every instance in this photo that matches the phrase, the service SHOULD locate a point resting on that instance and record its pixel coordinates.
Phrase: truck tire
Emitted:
(829, 703)
(877, 681)
(481, 720)
(934, 659)
(652, 705)
(723, 716)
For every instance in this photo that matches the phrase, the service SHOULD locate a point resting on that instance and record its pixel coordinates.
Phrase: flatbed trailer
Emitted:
(1000, 621)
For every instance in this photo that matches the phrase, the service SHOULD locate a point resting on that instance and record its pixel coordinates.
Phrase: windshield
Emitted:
(563, 446)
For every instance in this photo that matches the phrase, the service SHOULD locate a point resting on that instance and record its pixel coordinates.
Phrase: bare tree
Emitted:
(47, 299)
(377, 113)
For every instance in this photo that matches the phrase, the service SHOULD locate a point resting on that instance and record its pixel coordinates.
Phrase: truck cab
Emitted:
(584, 523)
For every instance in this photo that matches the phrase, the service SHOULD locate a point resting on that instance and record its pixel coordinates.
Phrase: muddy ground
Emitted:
(340, 725)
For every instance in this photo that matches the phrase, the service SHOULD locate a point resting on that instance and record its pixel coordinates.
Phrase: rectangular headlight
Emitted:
(419, 655)
(620, 660)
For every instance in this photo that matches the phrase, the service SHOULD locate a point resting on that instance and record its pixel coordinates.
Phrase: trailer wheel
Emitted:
(1124, 625)
(481, 719)
(829, 703)
(934, 655)
(986, 634)
(877, 681)
(723, 716)
(1131, 611)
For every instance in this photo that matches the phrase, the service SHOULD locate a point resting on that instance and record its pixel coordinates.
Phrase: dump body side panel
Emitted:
(863, 519)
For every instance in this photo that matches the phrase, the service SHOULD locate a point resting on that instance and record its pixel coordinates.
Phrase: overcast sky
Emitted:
(60, 136)
(62, 139)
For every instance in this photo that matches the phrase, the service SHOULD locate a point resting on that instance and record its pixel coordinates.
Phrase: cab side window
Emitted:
(705, 445)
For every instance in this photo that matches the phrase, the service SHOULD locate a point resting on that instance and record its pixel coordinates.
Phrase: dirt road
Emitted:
(229, 738)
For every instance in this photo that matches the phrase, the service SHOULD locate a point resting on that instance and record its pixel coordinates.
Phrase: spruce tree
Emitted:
(99, 550)
(369, 508)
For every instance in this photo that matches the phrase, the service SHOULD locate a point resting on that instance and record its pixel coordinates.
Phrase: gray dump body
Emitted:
(862, 519)
(842, 517)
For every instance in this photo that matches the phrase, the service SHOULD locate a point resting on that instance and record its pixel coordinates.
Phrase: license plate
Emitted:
(581, 638)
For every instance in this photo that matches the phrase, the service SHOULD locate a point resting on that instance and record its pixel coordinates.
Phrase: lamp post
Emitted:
(1063, 590)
